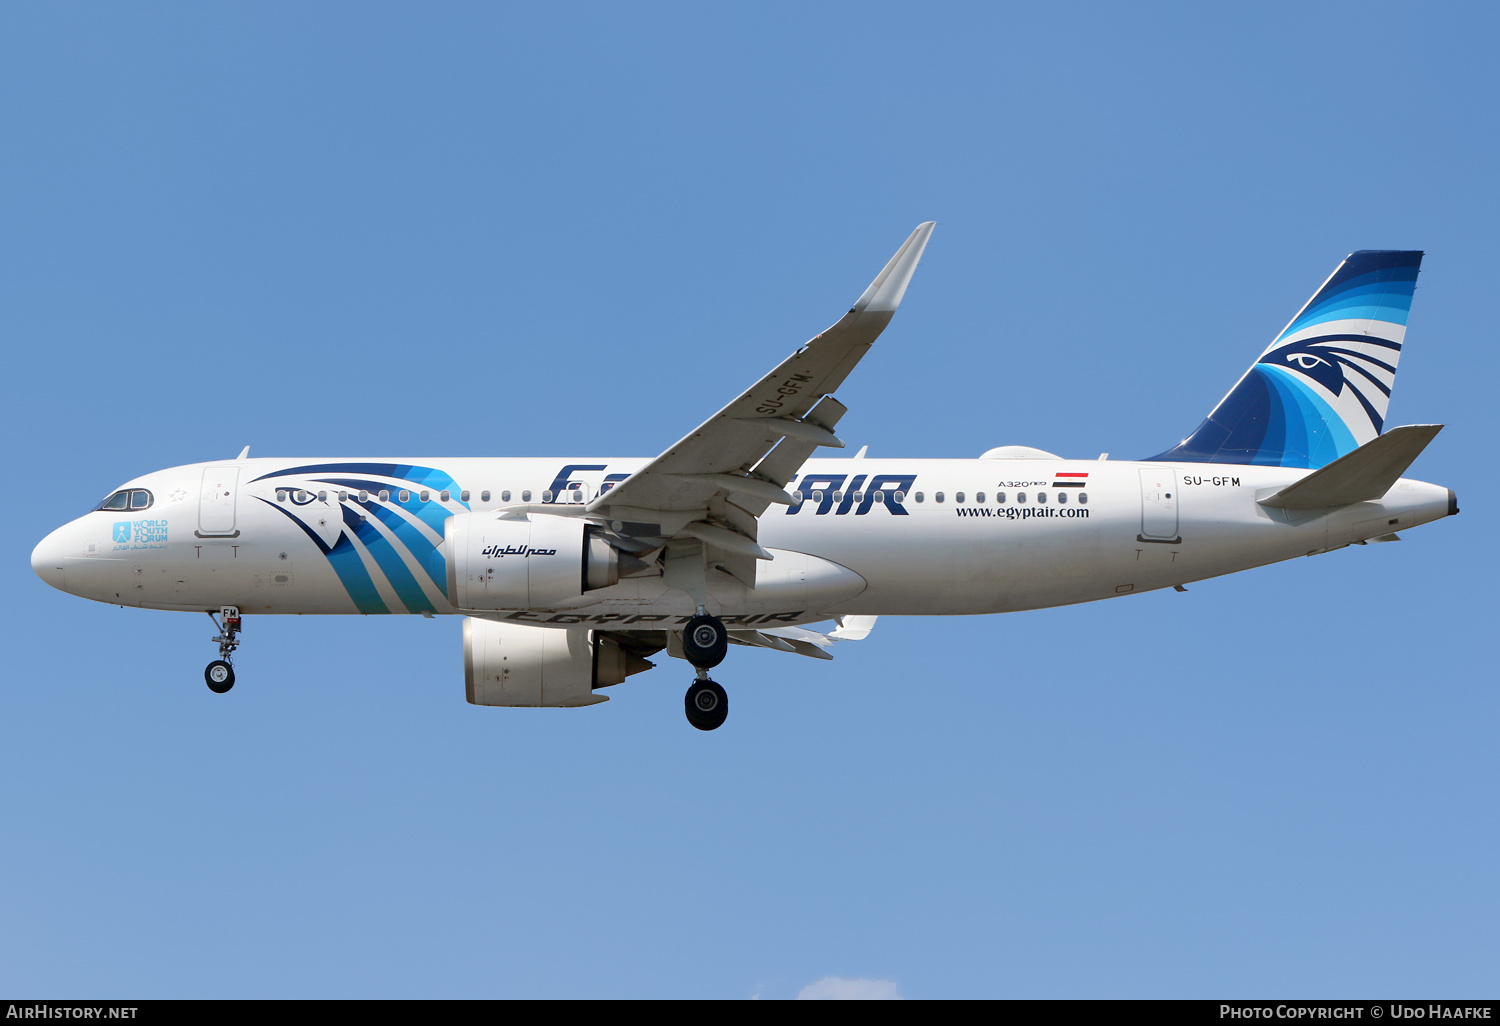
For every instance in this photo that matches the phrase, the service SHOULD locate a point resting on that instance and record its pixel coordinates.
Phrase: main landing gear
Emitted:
(705, 642)
(220, 673)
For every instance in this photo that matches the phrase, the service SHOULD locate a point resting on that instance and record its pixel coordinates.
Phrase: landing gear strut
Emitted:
(705, 642)
(219, 674)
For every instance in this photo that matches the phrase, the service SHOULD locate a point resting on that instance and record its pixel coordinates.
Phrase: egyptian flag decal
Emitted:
(1070, 480)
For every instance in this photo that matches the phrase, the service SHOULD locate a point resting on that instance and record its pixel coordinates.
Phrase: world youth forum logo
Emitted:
(122, 531)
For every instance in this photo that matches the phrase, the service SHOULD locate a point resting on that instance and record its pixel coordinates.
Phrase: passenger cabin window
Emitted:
(1041, 496)
(343, 496)
(445, 495)
(919, 496)
(1000, 498)
(1020, 496)
(405, 495)
(526, 495)
(900, 496)
(463, 496)
(385, 495)
(937, 496)
(958, 496)
(978, 496)
(859, 496)
(1083, 497)
(425, 495)
(817, 496)
(364, 496)
(796, 498)
(1062, 496)
(281, 495)
(322, 496)
(546, 495)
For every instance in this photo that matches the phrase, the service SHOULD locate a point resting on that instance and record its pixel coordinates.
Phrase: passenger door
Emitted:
(216, 501)
(1158, 505)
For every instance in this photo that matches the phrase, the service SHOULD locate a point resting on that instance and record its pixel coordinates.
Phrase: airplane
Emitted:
(570, 574)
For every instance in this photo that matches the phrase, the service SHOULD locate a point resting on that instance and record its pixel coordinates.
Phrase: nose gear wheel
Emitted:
(220, 676)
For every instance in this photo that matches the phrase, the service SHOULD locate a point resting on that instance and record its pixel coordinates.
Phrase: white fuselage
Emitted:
(871, 536)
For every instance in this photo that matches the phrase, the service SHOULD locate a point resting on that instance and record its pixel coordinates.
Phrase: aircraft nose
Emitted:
(47, 559)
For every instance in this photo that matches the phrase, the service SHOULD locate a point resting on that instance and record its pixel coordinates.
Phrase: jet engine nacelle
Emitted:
(524, 562)
(510, 664)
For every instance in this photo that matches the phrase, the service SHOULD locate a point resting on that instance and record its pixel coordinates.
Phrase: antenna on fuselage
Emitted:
(243, 453)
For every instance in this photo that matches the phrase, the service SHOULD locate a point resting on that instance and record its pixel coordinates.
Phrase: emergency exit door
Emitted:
(216, 501)
(1159, 505)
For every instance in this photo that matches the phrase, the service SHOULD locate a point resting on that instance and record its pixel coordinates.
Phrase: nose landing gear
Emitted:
(705, 642)
(219, 674)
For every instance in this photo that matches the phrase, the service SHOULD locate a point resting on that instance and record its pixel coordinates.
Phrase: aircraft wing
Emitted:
(715, 482)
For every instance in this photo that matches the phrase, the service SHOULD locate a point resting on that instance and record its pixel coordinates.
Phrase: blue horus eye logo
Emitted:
(1306, 361)
(122, 531)
(1311, 362)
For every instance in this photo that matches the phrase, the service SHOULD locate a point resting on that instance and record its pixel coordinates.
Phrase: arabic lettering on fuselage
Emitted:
(515, 550)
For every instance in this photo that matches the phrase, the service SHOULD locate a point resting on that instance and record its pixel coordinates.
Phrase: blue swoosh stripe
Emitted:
(430, 477)
(394, 567)
(416, 542)
(1312, 435)
(346, 564)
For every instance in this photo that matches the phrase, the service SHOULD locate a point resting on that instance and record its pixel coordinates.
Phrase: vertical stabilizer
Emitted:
(1321, 389)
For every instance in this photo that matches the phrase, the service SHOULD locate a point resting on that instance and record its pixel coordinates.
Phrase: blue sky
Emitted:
(546, 230)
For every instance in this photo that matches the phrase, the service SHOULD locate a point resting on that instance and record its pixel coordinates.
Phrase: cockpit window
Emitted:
(127, 499)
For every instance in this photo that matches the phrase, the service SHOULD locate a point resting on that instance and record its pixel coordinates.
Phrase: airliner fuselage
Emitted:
(868, 536)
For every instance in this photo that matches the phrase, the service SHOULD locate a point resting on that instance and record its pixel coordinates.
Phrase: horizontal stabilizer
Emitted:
(1364, 474)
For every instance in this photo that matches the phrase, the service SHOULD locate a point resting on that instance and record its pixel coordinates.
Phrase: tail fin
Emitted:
(1320, 390)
